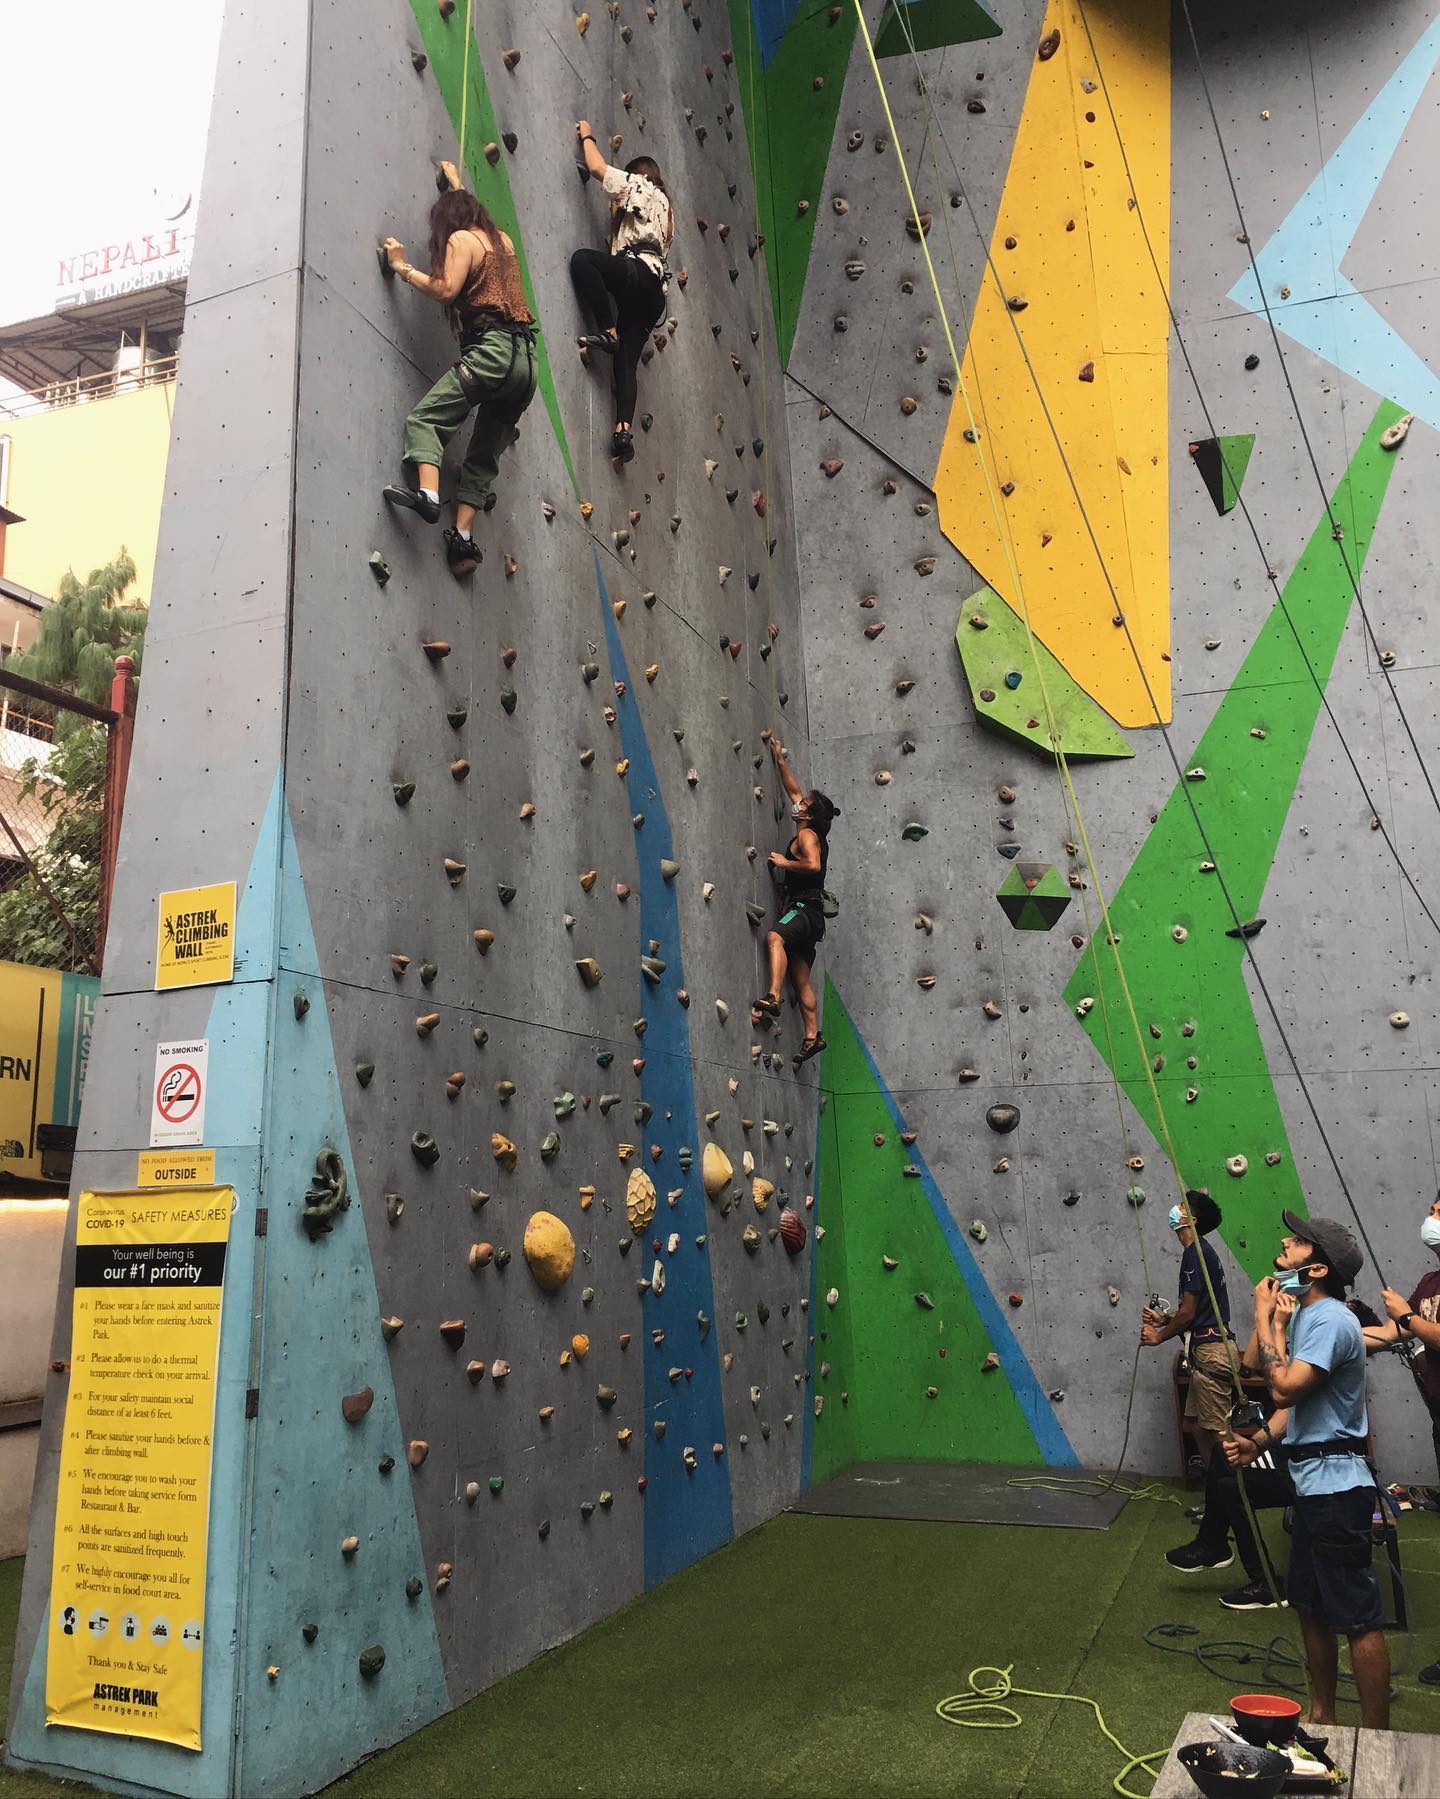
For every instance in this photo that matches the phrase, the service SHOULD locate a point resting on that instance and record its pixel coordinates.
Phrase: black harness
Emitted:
(474, 386)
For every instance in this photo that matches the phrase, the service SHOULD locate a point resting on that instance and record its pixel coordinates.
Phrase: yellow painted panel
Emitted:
(87, 479)
(1080, 263)
(29, 1023)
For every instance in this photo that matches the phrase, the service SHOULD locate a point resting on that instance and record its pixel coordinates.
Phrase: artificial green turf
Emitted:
(806, 1660)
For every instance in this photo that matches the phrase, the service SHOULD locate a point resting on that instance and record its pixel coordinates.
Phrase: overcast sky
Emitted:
(106, 108)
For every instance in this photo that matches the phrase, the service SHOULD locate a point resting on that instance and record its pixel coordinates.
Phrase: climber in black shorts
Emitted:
(791, 943)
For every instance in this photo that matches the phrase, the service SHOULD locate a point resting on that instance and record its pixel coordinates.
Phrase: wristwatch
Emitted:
(1404, 1320)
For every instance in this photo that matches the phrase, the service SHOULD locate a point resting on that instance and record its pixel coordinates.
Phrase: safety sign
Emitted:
(177, 1102)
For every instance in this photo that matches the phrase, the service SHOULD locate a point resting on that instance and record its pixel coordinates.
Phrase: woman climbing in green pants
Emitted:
(475, 275)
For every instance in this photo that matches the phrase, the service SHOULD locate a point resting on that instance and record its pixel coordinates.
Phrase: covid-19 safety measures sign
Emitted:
(126, 1643)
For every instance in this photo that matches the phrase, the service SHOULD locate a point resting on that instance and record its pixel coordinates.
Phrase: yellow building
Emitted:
(84, 441)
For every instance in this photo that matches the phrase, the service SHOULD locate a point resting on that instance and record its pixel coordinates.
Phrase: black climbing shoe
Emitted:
(419, 503)
(597, 340)
(462, 553)
(1254, 1596)
(1430, 1674)
(767, 1005)
(1191, 1558)
(622, 446)
(812, 1046)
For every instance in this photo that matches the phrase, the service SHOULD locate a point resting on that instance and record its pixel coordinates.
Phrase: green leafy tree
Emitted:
(84, 628)
(70, 790)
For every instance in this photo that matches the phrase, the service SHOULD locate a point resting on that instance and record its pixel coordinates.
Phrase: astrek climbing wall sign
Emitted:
(195, 945)
(127, 1615)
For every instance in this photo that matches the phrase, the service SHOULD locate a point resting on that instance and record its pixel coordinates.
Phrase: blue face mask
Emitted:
(1175, 1218)
(1430, 1232)
(1292, 1283)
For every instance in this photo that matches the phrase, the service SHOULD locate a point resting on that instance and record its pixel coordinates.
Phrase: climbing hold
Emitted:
(354, 1406)
(1087, 371)
(379, 567)
(426, 1023)
(925, 1302)
(1400, 1020)
(372, 1660)
(327, 1195)
(1003, 1119)
(913, 832)
(390, 1328)
(453, 1332)
(761, 1192)
(1048, 45)
(437, 649)
(417, 1452)
(504, 1151)
(454, 871)
(640, 1201)
(1394, 435)
(990, 1364)
(1236, 1166)
(1252, 928)
(549, 1250)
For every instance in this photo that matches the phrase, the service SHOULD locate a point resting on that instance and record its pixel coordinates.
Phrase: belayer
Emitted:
(791, 943)
(475, 275)
(622, 290)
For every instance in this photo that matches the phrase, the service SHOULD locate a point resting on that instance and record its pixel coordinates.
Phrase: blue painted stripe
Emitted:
(1046, 1428)
(686, 1514)
(1324, 312)
(773, 19)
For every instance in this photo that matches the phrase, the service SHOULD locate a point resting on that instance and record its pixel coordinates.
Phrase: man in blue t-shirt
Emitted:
(1213, 1362)
(1317, 1380)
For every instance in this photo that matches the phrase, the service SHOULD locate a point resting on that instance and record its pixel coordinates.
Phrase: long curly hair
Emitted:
(452, 212)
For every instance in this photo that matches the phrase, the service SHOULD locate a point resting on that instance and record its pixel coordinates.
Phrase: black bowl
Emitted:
(1234, 1770)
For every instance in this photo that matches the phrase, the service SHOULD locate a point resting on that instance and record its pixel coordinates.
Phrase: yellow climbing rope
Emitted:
(465, 85)
(965, 1709)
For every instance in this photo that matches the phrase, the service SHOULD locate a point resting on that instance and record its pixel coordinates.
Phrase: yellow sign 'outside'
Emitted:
(125, 1644)
(196, 942)
(175, 1168)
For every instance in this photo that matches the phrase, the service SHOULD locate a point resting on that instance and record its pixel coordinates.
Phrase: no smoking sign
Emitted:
(177, 1102)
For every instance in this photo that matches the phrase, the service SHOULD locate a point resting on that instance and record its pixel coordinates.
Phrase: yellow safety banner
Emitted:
(126, 1644)
(195, 945)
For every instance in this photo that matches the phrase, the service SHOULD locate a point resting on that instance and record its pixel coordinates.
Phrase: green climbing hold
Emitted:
(404, 792)
(414, 1587)
(1221, 463)
(564, 1105)
(508, 699)
(506, 892)
(1033, 896)
(1086, 732)
(425, 1149)
(379, 567)
(913, 832)
(497, 1483)
(550, 1147)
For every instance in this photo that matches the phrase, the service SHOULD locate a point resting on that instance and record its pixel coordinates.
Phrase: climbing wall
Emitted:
(502, 851)
(989, 1282)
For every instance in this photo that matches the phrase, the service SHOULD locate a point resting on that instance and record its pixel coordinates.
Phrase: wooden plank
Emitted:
(1396, 1764)
(1175, 1783)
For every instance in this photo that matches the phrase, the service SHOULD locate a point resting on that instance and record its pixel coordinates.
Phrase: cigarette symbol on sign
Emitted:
(178, 1093)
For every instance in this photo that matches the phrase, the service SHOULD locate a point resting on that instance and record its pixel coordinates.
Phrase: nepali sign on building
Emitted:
(126, 1640)
(45, 1020)
(127, 264)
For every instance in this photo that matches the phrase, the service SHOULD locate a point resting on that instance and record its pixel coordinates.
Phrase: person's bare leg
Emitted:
(805, 993)
(1370, 1661)
(464, 517)
(428, 476)
(1322, 1655)
(775, 949)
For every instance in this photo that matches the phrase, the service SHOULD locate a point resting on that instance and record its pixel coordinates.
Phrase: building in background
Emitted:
(85, 435)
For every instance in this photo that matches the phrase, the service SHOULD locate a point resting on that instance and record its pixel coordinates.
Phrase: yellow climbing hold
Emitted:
(716, 1170)
(639, 1200)
(549, 1250)
(762, 1192)
(504, 1151)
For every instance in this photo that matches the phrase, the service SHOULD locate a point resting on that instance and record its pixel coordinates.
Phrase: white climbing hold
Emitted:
(1179, 933)
(1400, 1020)
(1236, 1166)
(1394, 435)
(832, 1298)
(1195, 774)
(1086, 1005)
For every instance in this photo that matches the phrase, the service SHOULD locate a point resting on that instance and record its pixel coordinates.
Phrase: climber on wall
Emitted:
(475, 275)
(790, 945)
(1211, 1349)
(631, 274)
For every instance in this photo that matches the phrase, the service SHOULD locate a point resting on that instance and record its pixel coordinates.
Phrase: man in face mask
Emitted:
(1213, 1361)
(1317, 1380)
(1414, 1320)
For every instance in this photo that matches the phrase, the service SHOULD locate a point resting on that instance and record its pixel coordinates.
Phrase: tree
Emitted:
(70, 790)
(84, 628)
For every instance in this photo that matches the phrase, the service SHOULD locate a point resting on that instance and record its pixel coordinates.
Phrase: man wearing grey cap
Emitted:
(1317, 1380)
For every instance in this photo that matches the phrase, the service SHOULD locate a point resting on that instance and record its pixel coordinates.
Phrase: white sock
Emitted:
(431, 494)
(460, 533)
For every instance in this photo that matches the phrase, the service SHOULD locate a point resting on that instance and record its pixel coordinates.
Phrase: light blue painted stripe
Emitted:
(687, 1514)
(1046, 1428)
(1324, 312)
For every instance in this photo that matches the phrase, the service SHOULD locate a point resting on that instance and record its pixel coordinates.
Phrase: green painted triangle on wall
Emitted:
(1221, 463)
(444, 42)
(998, 650)
(931, 24)
(883, 1347)
(790, 123)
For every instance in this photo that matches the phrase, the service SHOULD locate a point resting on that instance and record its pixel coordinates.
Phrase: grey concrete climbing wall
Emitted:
(1305, 95)
(502, 854)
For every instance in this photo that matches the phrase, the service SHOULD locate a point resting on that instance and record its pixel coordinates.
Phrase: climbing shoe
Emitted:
(1430, 1674)
(811, 1046)
(1190, 1558)
(419, 503)
(597, 340)
(622, 446)
(462, 553)
(767, 1005)
(1254, 1596)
